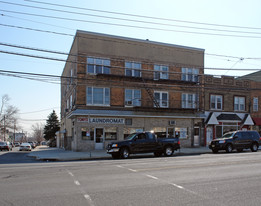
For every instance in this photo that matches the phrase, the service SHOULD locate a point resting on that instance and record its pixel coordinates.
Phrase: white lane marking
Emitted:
(70, 173)
(88, 198)
(178, 186)
(119, 166)
(77, 182)
(153, 177)
(132, 170)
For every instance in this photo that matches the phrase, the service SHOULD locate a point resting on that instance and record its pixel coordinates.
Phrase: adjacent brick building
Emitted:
(113, 86)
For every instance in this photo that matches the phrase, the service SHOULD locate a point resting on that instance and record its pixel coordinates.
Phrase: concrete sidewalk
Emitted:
(55, 154)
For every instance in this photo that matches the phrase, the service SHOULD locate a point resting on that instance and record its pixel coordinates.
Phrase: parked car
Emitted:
(5, 146)
(143, 142)
(17, 144)
(25, 147)
(238, 140)
(33, 144)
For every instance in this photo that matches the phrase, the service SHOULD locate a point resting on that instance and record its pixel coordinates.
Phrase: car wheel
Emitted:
(215, 151)
(254, 147)
(125, 153)
(229, 148)
(157, 154)
(168, 151)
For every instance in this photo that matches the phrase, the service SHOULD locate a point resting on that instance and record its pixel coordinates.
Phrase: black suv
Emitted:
(238, 140)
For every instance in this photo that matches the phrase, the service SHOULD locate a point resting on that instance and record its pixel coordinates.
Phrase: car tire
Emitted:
(229, 148)
(168, 151)
(125, 153)
(215, 151)
(254, 147)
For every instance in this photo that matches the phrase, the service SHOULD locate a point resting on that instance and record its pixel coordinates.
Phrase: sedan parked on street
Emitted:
(25, 147)
(5, 146)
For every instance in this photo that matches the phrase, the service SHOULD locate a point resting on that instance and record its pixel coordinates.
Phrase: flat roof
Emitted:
(138, 40)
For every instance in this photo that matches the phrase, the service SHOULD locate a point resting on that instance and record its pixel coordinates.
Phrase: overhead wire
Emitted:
(130, 20)
(125, 25)
(143, 16)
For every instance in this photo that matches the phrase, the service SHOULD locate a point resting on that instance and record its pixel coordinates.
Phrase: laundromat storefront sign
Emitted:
(101, 120)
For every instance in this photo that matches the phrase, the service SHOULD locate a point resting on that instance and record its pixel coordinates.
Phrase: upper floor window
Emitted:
(98, 96)
(190, 74)
(161, 72)
(255, 104)
(98, 65)
(162, 98)
(133, 69)
(216, 102)
(239, 103)
(189, 101)
(132, 97)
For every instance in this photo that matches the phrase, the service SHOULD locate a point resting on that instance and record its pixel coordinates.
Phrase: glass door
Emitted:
(99, 138)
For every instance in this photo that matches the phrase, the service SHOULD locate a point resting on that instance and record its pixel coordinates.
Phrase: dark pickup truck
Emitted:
(143, 142)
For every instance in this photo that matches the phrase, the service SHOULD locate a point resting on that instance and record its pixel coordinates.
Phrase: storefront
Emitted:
(217, 124)
(95, 130)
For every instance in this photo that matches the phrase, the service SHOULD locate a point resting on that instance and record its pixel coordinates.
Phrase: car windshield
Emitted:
(2, 143)
(131, 136)
(228, 135)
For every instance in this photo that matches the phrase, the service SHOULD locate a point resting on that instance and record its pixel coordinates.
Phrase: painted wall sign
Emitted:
(101, 120)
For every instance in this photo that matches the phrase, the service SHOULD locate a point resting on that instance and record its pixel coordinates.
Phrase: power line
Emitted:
(71, 35)
(143, 16)
(130, 20)
(119, 67)
(125, 25)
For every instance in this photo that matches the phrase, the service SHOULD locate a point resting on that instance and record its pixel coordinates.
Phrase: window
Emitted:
(190, 101)
(162, 98)
(132, 97)
(190, 74)
(216, 102)
(110, 133)
(255, 104)
(133, 69)
(98, 96)
(161, 72)
(98, 66)
(239, 103)
(88, 133)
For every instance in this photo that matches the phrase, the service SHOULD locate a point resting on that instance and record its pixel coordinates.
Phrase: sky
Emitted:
(228, 30)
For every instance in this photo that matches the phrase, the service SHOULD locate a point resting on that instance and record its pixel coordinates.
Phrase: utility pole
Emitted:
(4, 129)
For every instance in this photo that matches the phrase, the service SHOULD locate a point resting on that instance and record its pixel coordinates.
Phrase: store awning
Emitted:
(229, 117)
(257, 121)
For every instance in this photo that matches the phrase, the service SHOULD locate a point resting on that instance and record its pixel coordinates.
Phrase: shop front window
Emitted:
(87, 133)
(182, 133)
(160, 132)
(128, 131)
(110, 133)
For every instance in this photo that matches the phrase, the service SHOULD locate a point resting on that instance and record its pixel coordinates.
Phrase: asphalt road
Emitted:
(209, 179)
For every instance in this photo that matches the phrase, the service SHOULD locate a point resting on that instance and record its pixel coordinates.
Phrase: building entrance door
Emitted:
(99, 138)
(196, 136)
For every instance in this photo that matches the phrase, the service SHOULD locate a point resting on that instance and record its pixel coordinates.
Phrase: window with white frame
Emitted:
(98, 96)
(161, 72)
(255, 104)
(190, 74)
(190, 101)
(239, 103)
(216, 102)
(133, 69)
(98, 66)
(132, 97)
(162, 98)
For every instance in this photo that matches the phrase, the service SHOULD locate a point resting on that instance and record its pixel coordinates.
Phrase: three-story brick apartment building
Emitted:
(113, 86)
(227, 105)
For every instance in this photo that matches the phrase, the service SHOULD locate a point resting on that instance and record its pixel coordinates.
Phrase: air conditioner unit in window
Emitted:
(128, 103)
(172, 122)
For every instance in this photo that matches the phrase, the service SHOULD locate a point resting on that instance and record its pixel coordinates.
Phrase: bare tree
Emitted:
(8, 115)
(38, 132)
